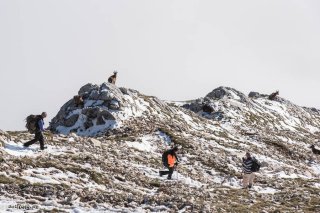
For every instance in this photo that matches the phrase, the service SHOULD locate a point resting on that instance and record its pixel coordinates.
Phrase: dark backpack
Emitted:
(31, 121)
(165, 159)
(255, 165)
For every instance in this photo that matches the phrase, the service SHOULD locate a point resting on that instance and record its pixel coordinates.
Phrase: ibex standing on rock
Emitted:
(273, 95)
(112, 79)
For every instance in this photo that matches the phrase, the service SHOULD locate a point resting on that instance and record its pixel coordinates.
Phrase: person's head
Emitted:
(248, 155)
(312, 146)
(44, 114)
(175, 149)
(115, 72)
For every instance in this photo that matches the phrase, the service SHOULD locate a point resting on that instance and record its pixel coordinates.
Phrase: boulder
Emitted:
(218, 93)
(106, 95)
(87, 89)
(88, 124)
(91, 112)
(100, 120)
(207, 108)
(106, 86)
(218, 116)
(73, 135)
(120, 178)
(104, 115)
(94, 95)
(195, 106)
(95, 142)
(114, 105)
(254, 95)
(71, 120)
(107, 115)
(222, 92)
(101, 105)
(124, 90)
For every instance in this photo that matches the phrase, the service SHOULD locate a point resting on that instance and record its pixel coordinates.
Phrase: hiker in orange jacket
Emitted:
(170, 160)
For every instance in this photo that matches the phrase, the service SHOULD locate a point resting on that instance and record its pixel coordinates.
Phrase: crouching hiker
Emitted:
(35, 125)
(169, 160)
(250, 165)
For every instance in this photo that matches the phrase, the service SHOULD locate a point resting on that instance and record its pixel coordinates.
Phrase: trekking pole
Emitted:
(177, 172)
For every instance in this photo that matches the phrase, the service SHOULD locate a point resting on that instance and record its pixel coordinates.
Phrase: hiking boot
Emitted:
(160, 173)
(25, 146)
(250, 186)
(43, 148)
(169, 178)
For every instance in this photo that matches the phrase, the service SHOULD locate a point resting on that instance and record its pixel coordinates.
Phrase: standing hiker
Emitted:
(169, 160)
(250, 165)
(37, 122)
(112, 79)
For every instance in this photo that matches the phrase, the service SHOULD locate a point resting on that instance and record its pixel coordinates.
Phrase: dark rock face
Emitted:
(91, 112)
(97, 101)
(71, 120)
(217, 93)
(195, 106)
(207, 108)
(257, 95)
(87, 89)
(254, 95)
(114, 105)
(228, 92)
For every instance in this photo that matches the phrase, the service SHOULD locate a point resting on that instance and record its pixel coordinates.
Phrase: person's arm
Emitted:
(243, 165)
(40, 125)
(177, 159)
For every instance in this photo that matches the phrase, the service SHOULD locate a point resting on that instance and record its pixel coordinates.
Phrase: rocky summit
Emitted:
(105, 155)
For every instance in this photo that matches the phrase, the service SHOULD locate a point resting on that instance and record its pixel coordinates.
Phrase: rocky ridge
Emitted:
(106, 155)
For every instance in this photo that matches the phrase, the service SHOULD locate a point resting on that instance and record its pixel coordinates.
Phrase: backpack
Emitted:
(31, 121)
(255, 165)
(165, 159)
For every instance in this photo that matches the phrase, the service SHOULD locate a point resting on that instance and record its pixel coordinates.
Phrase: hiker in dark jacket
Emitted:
(171, 161)
(112, 79)
(249, 175)
(38, 133)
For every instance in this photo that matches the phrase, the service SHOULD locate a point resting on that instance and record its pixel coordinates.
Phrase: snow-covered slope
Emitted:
(117, 170)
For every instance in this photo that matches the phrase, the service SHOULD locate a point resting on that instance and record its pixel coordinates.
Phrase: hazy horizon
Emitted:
(175, 50)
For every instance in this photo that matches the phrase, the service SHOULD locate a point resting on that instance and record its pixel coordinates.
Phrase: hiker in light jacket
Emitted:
(248, 174)
(38, 133)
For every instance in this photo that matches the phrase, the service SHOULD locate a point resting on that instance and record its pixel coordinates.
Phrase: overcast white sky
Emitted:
(176, 50)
